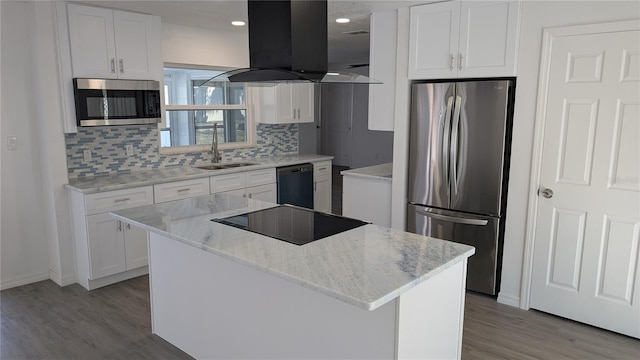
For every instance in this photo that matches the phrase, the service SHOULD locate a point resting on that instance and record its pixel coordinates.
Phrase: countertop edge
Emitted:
(203, 174)
(365, 305)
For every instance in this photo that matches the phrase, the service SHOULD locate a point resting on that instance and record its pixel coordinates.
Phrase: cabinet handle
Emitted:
(121, 66)
(183, 190)
(322, 168)
(244, 195)
(452, 61)
(128, 226)
(315, 186)
(119, 225)
(294, 113)
(121, 200)
(113, 65)
(298, 114)
(460, 62)
(250, 195)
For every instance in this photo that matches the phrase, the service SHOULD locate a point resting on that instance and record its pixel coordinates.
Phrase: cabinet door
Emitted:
(133, 45)
(488, 38)
(433, 40)
(106, 246)
(135, 245)
(303, 102)
(263, 192)
(92, 41)
(322, 193)
(287, 110)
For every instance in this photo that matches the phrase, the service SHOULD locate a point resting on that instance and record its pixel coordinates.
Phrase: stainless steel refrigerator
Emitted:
(458, 168)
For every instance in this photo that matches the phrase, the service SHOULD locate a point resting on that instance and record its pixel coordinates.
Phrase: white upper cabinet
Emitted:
(283, 103)
(463, 39)
(111, 44)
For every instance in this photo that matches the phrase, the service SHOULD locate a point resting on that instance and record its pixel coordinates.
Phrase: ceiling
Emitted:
(217, 14)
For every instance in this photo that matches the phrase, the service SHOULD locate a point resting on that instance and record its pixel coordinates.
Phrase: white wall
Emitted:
(369, 147)
(24, 247)
(537, 15)
(193, 45)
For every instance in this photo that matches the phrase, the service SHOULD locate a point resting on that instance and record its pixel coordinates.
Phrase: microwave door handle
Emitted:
(454, 145)
(446, 141)
(458, 220)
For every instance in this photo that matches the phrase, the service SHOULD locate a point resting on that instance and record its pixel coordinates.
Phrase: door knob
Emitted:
(546, 193)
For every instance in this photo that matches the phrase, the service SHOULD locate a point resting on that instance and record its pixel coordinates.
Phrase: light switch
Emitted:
(12, 143)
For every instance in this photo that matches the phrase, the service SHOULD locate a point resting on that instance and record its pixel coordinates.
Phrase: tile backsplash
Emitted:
(108, 145)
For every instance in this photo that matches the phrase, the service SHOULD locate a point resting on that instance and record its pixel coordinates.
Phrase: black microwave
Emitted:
(101, 102)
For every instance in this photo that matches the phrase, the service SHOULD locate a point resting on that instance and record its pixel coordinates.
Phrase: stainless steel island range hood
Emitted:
(288, 43)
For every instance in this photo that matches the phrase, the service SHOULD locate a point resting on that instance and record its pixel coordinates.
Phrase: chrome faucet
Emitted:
(214, 145)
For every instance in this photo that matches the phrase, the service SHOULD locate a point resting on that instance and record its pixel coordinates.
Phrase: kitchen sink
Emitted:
(223, 166)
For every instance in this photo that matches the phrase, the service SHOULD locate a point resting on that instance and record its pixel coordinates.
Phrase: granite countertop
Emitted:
(96, 184)
(378, 172)
(367, 266)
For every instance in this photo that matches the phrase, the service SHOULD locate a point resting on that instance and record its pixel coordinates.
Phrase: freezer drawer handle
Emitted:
(464, 221)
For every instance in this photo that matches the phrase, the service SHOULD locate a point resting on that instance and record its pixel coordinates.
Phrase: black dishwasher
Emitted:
(295, 185)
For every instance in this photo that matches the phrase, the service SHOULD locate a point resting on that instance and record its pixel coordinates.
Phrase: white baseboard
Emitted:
(508, 299)
(62, 281)
(23, 280)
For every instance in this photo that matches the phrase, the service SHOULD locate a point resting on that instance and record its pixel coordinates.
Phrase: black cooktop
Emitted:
(292, 224)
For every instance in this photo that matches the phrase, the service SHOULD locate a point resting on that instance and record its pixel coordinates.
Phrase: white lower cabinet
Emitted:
(266, 192)
(322, 186)
(114, 246)
(106, 246)
(257, 184)
(108, 250)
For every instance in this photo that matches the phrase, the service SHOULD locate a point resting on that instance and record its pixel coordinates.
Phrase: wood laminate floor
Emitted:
(45, 321)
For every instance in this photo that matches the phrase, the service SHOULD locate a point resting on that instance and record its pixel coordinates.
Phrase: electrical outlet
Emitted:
(129, 150)
(87, 155)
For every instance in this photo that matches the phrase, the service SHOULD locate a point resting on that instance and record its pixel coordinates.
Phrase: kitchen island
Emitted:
(367, 293)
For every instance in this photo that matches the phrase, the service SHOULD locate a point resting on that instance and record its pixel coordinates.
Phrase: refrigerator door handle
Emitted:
(454, 146)
(465, 221)
(446, 142)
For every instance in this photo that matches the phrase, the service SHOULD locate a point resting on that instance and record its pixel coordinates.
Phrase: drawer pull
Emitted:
(323, 168)
(128, 226)
(183, 190)
(121, 200)
(119, 225)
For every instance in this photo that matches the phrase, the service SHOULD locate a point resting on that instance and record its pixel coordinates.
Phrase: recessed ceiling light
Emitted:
(342, 20)
(238, 23)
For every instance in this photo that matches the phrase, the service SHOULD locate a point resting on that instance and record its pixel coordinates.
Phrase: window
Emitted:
(192, 111)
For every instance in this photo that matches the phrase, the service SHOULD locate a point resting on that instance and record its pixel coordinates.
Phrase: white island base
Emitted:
(214, 308)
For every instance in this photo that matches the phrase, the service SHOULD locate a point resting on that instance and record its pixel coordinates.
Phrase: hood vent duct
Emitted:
(288, 43)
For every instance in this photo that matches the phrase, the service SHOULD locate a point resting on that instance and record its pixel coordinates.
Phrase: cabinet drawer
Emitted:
(322, 168)
(228, 182)
(260, 177)
(180, 190)
(118, 200)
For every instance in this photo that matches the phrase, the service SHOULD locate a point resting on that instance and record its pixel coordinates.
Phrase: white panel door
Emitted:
(322, 193)
(132, 32)
(92, 41)
(106, 245)
(585, 260)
